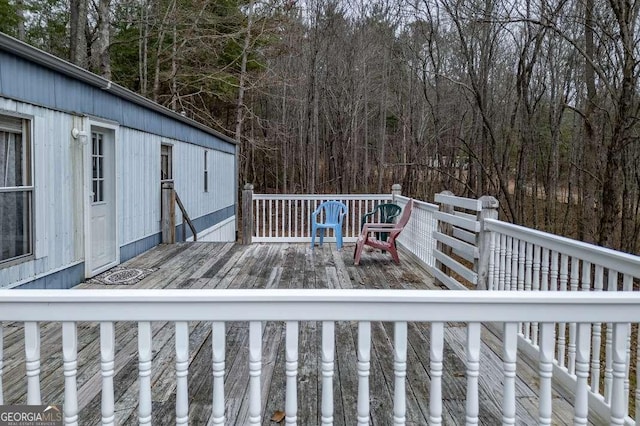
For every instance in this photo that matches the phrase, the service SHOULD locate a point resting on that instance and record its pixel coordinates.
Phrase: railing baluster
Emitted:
(491, 284)
(619, 352)
(435, 366)
(545, 373)
(544, 270)
(573, 285)
(596, 337)
(562, 327)
(144, 372)
(553, 271)
(514, 265)
(328, 351)
(627, 285)
(535, 286)
(503, 256)
(291, 355)
(255, 370)
(508, 285)
(264, 219)
(510, 353)
(473, 371)
(271, 232)
(612, 285)
(182, 372)
(70, 367)
(528, 278)
(218, 366)
(296, 232)
(521, 264)
(32, 356)
(582, 374)
(400, 373)
(107, 355)
(364, 354)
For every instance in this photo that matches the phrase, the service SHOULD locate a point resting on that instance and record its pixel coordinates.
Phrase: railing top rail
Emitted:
(418, 204)
(624, 263)
(460, 202)
(321, 196)
(316, 305)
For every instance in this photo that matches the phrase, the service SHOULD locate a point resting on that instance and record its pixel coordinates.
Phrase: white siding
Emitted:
(58, 199)
(56, 222)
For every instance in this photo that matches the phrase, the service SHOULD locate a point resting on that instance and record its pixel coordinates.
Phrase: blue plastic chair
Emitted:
(334, 212)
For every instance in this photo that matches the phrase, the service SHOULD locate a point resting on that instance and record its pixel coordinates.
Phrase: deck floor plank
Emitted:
(224, 265)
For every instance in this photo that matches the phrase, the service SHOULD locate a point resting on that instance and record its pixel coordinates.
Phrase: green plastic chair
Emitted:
(385, 213)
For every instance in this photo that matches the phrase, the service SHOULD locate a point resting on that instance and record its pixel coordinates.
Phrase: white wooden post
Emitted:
(328, 350)
(400, 373)
(182, 371)
(545, 371)
(396, 190)
(483, 238)
(581, 410)
(619, 349)
(435, 365)
(596, 337)
(218, 348)
(144, 372)
(492, 282)
(107, 355)
(562, 327)
(364, 356)
(255, 370)
(247, 214)
(473, 371)
(501, 264)
(291, 400)
(509, 353)
(70, 367)
(528, 280)
(612, 285)
(32, 356)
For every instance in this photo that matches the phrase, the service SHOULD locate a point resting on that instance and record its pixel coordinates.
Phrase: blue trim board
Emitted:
(206, 221)
(131, 250)
(63, 279)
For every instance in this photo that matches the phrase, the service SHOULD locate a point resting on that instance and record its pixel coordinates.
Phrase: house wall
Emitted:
(57, 103)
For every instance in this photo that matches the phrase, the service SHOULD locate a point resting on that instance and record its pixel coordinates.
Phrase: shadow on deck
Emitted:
(212, 265)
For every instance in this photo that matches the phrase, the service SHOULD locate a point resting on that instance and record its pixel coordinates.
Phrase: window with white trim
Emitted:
(97, 159)
(16, 189)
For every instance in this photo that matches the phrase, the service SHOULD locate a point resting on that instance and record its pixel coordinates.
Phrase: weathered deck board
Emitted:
(207, 265)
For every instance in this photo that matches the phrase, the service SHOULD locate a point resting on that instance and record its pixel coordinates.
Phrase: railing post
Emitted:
(247, 213)
(483, 239)
(168, 213)
(396, 190)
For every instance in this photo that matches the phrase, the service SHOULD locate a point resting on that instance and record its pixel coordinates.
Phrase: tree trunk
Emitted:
(78, 41)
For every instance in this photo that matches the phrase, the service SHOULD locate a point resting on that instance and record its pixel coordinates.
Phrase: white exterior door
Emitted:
(102, 233)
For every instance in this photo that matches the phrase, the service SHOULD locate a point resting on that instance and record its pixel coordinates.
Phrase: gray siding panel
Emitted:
(206, 221)
(32, 83)
(136, 248)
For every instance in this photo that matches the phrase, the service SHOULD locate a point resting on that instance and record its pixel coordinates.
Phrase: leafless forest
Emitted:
(532, 101)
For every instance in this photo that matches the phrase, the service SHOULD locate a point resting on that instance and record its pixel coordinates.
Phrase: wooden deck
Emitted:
(210, 265)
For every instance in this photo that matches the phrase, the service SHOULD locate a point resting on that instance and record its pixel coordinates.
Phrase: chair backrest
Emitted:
(333, 211)
(406, 214)
(388, 212)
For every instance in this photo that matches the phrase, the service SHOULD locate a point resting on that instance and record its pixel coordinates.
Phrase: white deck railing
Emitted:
(292, 306)
(417, 237)
(287, 217)
(526, 260)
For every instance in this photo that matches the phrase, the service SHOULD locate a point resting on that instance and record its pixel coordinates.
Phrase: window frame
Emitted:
(169, 148)
(27, 133)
